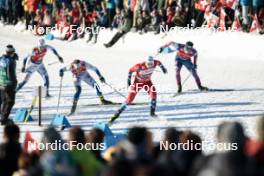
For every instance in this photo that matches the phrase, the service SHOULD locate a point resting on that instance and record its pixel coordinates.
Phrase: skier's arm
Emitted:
(169, 44)
(195, 56)
(130, 73)
(25, 61)
(64, 69)
(55, 52)
(96, 70)
(158, 63)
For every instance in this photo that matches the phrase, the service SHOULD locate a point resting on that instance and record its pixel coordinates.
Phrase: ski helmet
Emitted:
(189, 44)
(41, 43)
(150, 61)
(76, 61)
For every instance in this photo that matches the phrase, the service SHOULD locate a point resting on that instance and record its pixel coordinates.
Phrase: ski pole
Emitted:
(115, 90)
(185, 80)
(58, 105)
(52, 63)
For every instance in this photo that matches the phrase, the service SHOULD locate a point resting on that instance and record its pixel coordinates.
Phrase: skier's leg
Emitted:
(189, 65)
(92, 83)
(133, 89)
(178, 75)
(78, 88)
(44, 74)
(150, 88)
(29, 71)
(21, 85)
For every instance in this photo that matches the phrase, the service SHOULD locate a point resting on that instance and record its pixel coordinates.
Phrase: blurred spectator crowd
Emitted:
(136, 155)
(144, 15)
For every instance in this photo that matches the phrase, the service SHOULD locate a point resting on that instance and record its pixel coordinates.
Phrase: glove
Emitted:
(195, 66)
(60, 59)
(160, 50)
(102, 79)
(61, 72)
(23, 69)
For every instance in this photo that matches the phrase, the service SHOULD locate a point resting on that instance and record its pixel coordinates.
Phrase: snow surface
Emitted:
(226, 61)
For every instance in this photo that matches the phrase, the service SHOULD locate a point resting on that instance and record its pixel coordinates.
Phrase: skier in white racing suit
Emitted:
(34, 62)
(80, 73)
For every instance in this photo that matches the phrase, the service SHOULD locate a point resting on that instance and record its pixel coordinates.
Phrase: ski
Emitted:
(203, 91)
(116, 104)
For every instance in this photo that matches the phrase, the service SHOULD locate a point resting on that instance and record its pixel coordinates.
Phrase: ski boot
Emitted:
(47, 95)
(203, 88)
(73, 109)
(107, 45)
(153, 108)
(179, 89)
(113, 118)
(104, 101)
(117, 114)
(152, 113)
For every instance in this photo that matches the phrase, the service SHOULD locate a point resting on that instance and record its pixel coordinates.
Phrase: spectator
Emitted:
(230, 161)
(257, 5)
(47, 19)
(119, 167)
(27, 13)
(8, 82)
(124, 27)
(138, 146)
(117, 19)
(155, 21)
(255, 147)
(23, 165)
(86, 161)
(111, 6)
(49, 4)
(179, 18)
(170, 15)
(56, 161)
(161, 4)
(2, 11)
(16, 11)
(143, 22)
(246, 4)
(94, 24)
(37, 21)
(96, 137)
(104, 19)
(10, 150)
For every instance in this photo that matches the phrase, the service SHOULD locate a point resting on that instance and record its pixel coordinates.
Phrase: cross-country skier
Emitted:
(34, 62)
(184, 55)
(80, 73)
(143, 72)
